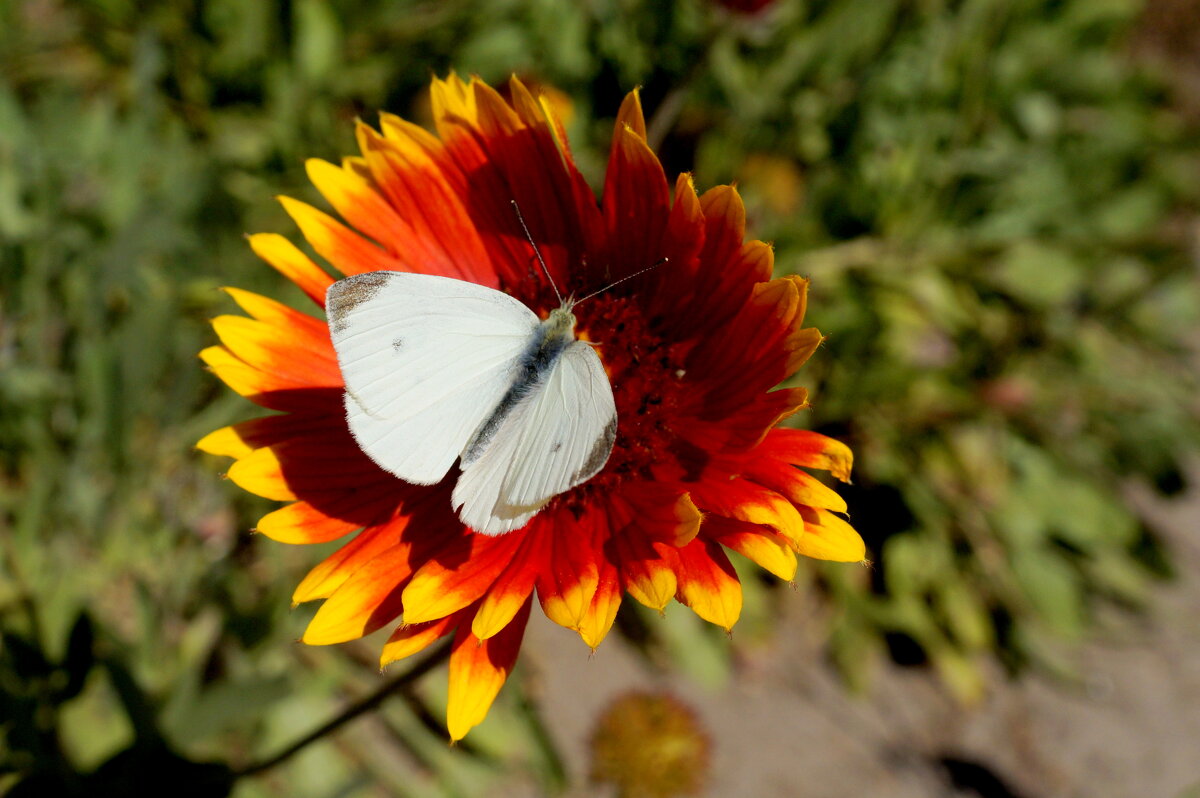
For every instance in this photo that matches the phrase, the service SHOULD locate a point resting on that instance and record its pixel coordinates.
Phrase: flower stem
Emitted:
(362, 706)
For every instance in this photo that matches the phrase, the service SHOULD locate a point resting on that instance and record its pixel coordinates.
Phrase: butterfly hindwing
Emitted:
(425, 360)
(557, 435)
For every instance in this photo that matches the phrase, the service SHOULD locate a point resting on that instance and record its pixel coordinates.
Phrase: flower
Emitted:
(650, 745)
(694, 349)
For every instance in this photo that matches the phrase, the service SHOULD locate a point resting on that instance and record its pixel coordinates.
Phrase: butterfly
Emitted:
(438, 370)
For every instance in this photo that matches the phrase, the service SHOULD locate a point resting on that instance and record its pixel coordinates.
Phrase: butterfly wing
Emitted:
(425, 360)
(557, 436)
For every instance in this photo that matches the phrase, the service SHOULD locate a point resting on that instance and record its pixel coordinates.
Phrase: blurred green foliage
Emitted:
(994, 198)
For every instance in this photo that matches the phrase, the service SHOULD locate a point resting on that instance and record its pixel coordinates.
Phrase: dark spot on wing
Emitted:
(397, 344)
(601, 449)
(345, 295)
(556, 448)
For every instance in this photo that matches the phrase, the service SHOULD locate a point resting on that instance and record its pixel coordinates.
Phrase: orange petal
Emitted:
(746, 426)
(301, 522)
(356, 200)
(760, 347)
(655, 512)
(828, 537)
(266, 389)
(453, 103)
(760, 545)
(434, 233)
(647, 570)
(346, 250)
(797, 485)
(727, 273)
(292, 264)
(630, 115)
(376, 541)
(478, 669)
(301, 469)
(368, 600)
(743, 500)
(244, 437)
(512, 588)
(286, 353)
(447, 584)
(598, 618)
(708, 584)
(567, 585)
(225, 442)
(261, 473)
(810, 449)
(411, 638)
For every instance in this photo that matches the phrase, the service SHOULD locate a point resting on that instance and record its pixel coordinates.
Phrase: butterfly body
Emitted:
(438, 369)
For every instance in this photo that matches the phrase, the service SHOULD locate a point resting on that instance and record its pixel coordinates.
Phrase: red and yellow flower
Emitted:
(694, 349)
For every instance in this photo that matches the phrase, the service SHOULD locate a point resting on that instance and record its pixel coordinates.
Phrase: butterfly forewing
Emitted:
(558, 435)
(425, 360)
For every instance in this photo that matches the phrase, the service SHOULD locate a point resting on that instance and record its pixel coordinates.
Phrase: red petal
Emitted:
(598, 618)
(636, 202)
(828, 537)
(743, 500)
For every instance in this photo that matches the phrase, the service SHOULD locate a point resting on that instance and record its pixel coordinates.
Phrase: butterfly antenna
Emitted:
(536, 251)
(638, 273)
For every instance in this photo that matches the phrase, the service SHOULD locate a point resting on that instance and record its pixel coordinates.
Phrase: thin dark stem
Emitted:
(362, 706)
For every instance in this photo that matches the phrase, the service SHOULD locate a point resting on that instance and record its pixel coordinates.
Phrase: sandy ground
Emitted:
(1128, 726)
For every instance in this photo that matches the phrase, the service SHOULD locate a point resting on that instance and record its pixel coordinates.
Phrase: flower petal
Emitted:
(566, 588)
(368, 600)
(434, 233)
(304, 522)
(478, 669)
(743, 500)
(797, 485)
(411, 638)
(458, 577)
(298, 359)
(828, 537)
(708, 584)
(598, 618)
(512, 588)
(810, 449)
(760, 545)
(635, 201)
(346, 250)
(293, 264)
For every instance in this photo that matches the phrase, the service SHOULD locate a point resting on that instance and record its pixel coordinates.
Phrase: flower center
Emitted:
(649, 385)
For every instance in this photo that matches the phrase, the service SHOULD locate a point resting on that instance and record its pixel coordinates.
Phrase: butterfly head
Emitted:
(561, 321)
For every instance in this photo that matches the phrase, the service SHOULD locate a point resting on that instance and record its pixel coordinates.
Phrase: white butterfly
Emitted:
(438, 369)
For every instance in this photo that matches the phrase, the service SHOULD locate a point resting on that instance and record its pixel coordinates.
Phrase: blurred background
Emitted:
(997, 202)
